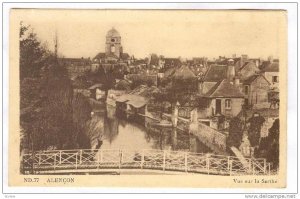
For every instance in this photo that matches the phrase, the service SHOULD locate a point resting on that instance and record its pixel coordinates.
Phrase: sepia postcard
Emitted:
(148, 98)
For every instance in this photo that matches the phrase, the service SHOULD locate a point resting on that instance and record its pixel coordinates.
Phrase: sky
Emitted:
(170, 33)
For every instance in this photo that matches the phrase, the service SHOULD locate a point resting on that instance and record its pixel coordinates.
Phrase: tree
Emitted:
(235, 133)
(154, 59)
(81, 116)
(46, 98)
(269, 146)
(33, 56)
(256, 122)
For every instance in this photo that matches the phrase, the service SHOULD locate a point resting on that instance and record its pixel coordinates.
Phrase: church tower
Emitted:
(113, 43)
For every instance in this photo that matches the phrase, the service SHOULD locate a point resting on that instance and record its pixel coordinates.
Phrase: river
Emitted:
(116, 132)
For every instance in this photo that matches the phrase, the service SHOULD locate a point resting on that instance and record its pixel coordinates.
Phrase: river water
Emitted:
(118, 133)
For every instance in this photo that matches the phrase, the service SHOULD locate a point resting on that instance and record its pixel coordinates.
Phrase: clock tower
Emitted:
(113, 44)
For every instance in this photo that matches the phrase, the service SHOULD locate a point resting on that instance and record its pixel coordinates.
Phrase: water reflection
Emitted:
(119, 133)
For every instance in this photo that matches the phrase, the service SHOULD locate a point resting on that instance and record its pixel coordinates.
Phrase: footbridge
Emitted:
(89, 161)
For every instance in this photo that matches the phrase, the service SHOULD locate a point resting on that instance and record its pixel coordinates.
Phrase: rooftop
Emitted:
(113, 33)
(253, 78)
(184, 73)
(272, 67)
(224, 89)
(215, 73)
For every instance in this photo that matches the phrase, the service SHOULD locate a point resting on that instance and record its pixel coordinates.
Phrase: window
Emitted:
(246, 90)
(113, 49)
(228, 104)
(275, 79)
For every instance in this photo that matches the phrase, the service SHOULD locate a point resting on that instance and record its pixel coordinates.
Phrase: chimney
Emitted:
(270, 59)
(230, 70)
(244, 58)
(236, 81)
(257, 62)
(234, 56)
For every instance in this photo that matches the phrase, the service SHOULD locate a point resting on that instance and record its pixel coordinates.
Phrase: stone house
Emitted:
(271, 72)
(224, 98)
(166, 63)
(76, 66)
(247, 70)
(97, 91)
(256, 90)
(213, 75)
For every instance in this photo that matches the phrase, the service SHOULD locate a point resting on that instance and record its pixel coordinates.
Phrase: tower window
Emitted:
(113, 49)
(112, 40)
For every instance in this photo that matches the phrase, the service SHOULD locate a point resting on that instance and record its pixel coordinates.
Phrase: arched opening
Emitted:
(113, 49)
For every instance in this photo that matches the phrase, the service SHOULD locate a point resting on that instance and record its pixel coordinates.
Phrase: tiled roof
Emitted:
(252, 78)
(224, 89)
(123, 85)
(184, 73)
(96, 86)
(100, 56)
(125, 56)
(172, 62)
(273, 67)
(75, 60)
(265, 112)
(244, 65)
(216, 73)
(169, 72)
(113, 33)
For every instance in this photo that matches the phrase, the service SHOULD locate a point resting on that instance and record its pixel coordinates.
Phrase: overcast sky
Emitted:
(169, 33)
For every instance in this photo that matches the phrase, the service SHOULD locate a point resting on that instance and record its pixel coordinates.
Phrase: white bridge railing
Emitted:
(89, 160)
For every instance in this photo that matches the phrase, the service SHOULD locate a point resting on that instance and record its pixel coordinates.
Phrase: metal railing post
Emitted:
(54, 161)
(120, 158)
(250, 169)
(76, 161)
(253, 167)
(265, 166)
(80, 157)
(98, 159)
(164, 160)
(185, 161)
(142, 159)
(59, 157)
(230, 167)
(269, 171)
(228, 164)
(39, 159)
(207, 163)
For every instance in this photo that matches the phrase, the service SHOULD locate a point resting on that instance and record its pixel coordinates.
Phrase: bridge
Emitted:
(96, 160)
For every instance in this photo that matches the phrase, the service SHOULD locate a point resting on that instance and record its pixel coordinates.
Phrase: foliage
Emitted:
(33, 56)
(181, 90)
(269, 146)
(235, 132)
(255, 126)
(81, 116)
(46, 98)
(137, 82)
(154, 59)
(82, 82)
(107, 77)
